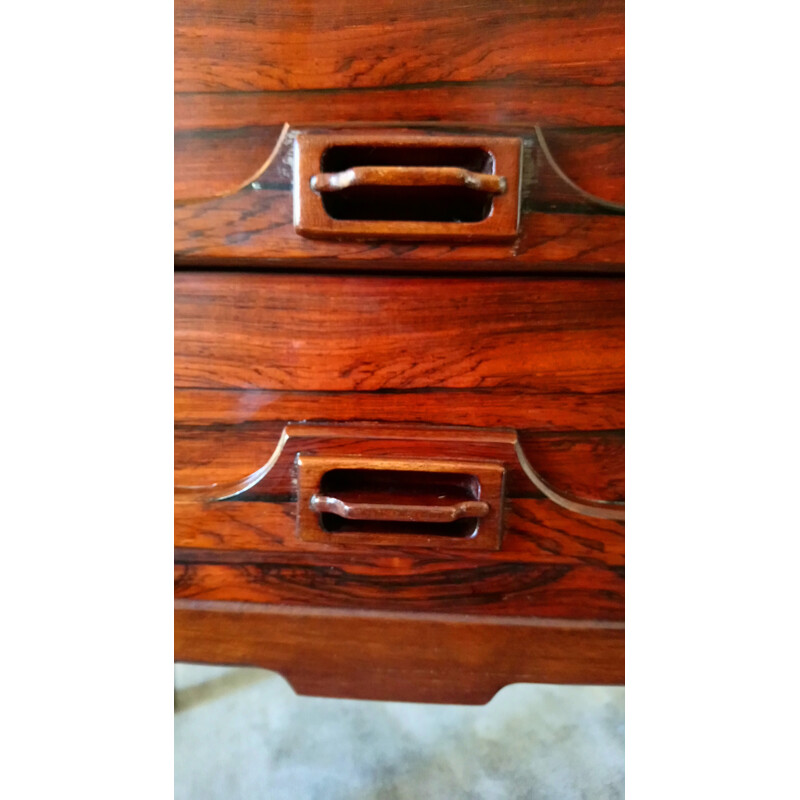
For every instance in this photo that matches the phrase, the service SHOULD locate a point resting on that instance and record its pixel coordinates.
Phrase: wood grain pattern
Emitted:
(255, 228)
(553, 563)
(560, 229)
(585, 464)
(539, 356)
(243, 69)
(368, 440)
(430, 583)
(327, 182)
(201, 411)
(311, 184)
(324, 333)
(409, 495)
(211, 163)
(419, 658)
(217, 160)
(536, 531)
(507, 106)
(329, 44)
(594, 159)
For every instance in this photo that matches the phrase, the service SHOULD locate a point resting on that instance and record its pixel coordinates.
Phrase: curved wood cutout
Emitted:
(497, 445)
(186, 201)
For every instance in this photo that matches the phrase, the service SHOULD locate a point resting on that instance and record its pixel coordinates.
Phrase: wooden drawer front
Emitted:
(544, 357)
(248, 544)
(553, 564)
(327, 333)
(540, 361)
(492, 357)
(576, 442)
(244, 71)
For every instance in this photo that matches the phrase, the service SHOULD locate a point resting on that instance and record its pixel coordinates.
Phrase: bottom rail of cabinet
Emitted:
(431, 658)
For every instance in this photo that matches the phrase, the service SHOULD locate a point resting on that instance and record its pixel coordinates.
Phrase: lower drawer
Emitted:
(522, 378)
(422, 518)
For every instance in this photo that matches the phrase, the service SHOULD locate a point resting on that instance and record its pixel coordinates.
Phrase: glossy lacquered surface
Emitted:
(391, 350)
(244, 69)
(561, 226)
(350, 333)
(504, 353)
(406, 186)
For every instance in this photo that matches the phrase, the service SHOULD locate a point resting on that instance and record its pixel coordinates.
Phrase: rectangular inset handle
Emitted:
(400, 185)
(408, 502)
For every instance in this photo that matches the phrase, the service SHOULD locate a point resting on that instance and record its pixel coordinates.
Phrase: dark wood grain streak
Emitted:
(254, 228)
(328, 44)
(529, 412)
(428, 583)
(510, 106)
(420, 658)
(536, 531)
(324, 333)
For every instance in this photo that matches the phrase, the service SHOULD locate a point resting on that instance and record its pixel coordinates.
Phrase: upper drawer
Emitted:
(541, 202)
(550, 71)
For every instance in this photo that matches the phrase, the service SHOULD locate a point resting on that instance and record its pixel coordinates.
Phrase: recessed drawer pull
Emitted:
(408, 176)
(406, 502)
(398, 185)
(381, 512)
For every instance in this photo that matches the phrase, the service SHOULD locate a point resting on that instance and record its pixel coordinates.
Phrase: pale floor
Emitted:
(242, 733)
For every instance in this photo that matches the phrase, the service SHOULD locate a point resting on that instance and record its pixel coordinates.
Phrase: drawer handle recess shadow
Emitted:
(405, 502)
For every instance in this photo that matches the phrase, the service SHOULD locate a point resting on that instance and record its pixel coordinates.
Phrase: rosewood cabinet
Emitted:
(399, 343)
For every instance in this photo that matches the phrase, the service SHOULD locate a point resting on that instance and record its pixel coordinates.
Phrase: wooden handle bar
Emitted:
(408, 176)
(391, 512)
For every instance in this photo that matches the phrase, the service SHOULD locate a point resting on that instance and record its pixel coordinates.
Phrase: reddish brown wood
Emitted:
(245, 45)
(542, 359)
(216, 231)
(278, 475)
(212, 163)
(536, 531)
(328, 333)
(502, 186)
(594, 159)
(215, 161)
(431, 582)
(262, 413)
(255, 228)
(563, 564)
(222, 436)
(511, 106)
(419, 658)
(403, 501)
(243, 69)
(401, 510)
(427, 177)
